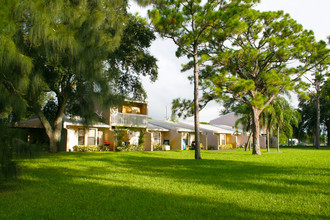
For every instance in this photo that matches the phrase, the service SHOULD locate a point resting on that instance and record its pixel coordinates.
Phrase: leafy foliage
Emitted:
(64, 48)
(15, 145)
(254, 67)
(191, 24)
(130, 147)
(87, 148)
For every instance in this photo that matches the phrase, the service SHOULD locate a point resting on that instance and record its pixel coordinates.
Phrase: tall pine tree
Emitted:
(189, 23)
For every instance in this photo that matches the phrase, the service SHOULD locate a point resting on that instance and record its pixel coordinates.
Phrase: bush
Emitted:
(14, 145)
(209, 147)
(104, 148)
(226, 146)
(85, 148)
(130, 148)
(157, 147)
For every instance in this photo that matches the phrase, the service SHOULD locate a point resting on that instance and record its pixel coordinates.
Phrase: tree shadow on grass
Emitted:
(69, 199)
(233, 175)
(92, 187)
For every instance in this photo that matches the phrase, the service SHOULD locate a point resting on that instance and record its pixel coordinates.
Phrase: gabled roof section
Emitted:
(209, 128)
(34, 122)
(227, 119)
(78, 121)
(152, 127)
(171, 125)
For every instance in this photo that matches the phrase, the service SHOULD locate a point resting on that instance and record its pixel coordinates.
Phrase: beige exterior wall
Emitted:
(175, 139)
(242, 139)
(72, 139)
(102, 135)
(213, 140)
(148, 146)
(204, 141)
(231, 139)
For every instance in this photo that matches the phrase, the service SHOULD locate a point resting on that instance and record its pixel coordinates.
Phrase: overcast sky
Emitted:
(172, 83)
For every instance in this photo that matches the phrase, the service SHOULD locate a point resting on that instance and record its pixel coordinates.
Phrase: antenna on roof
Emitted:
(166, 116)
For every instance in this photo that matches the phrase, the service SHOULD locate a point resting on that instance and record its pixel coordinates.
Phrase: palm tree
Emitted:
(280, 115)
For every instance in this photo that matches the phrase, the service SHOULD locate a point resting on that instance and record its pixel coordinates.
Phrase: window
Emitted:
(81, 137)
(222, 139)
(156, 138)
(91, 137)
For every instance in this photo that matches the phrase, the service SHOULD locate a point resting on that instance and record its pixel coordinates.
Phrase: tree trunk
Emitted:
(53, 132)
(317, 131)
(328, 144)
(267, 139)
(278, 139)
(196, 110)
(54, 140)
(256, 130)
(249, 141)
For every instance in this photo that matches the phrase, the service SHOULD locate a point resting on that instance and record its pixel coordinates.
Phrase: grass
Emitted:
(293, 184)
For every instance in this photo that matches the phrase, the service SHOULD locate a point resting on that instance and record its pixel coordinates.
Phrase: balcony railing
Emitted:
(129, 120)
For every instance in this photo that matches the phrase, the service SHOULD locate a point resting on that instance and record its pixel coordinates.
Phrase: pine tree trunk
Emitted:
(328, 144)
(317, 130)
(256, 130)
(267, 139)
(328, 132)
(278, 139)
(196, 105)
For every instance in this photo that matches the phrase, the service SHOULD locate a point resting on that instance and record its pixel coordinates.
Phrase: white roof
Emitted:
(78, 121)
(171, 125)
(152, 127)
(227, 119)
(34, 122)
(210, 128)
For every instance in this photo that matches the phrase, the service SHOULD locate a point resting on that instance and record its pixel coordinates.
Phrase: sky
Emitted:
(172, 83)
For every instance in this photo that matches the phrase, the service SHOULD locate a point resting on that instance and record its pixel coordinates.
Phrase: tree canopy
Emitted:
(255, 66)
(68, 49)
(191, 25)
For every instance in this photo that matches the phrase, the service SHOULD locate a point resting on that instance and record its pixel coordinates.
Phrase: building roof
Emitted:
(204, 128)
(152, 127)
(78, 121)
(171, 125)
(34, 122)
(135, 101)
(227, 119)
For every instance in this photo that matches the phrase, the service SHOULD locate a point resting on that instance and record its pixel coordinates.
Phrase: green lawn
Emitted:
(293, 184)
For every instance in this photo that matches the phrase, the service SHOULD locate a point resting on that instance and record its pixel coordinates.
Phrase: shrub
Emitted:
(209, 147)
(130, 148)
(104, 148)
(120, 134)
(157, 147)
(14, 145)
(226, 146)
(141, 137)
(85, 148)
